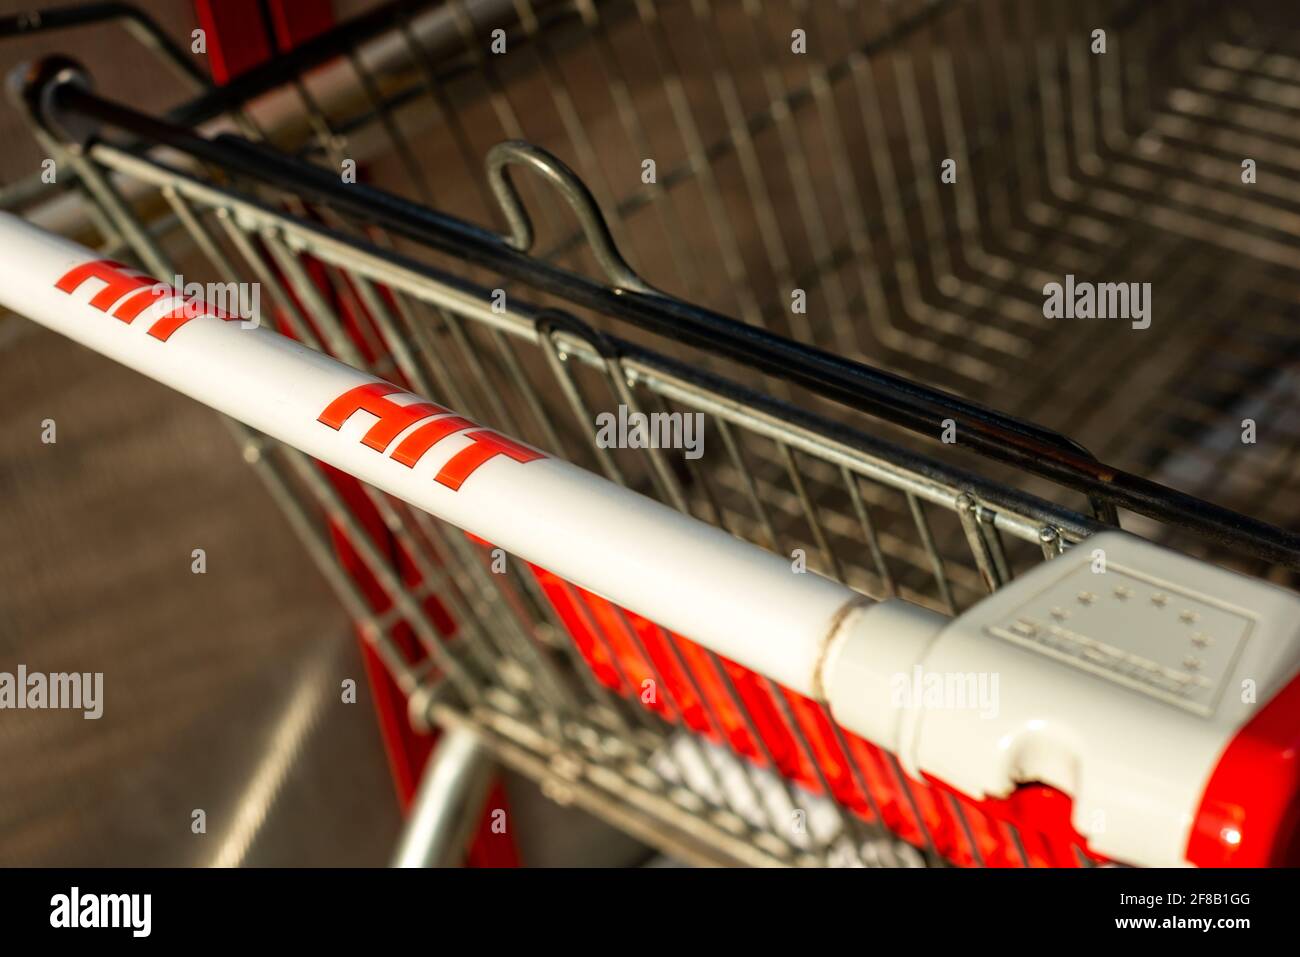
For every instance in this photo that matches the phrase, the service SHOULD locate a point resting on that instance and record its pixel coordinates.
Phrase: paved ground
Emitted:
(219, 688)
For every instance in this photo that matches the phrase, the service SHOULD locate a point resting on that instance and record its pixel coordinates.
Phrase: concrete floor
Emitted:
(221, 689)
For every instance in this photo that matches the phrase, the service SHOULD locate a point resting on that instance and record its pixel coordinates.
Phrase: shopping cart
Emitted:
(877, 308)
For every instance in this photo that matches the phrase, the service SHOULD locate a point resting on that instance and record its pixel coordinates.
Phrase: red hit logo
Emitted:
(140, 292)
(393, 419)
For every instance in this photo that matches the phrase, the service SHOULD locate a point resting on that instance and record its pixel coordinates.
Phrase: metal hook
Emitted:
(548, 322)
(575, 193)
(33, 88)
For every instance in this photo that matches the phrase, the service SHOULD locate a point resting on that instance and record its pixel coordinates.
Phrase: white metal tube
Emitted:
(741, 601)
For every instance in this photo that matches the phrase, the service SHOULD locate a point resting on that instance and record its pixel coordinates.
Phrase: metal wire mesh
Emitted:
(777, 173)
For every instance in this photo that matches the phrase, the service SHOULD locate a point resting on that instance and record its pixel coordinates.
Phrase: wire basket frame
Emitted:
(863, 511)
(817, 173)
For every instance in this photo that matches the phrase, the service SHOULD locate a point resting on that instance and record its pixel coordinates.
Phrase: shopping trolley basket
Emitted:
(714, 700)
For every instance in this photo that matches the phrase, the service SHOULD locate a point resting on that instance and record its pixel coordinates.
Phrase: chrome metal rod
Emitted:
(448, 803)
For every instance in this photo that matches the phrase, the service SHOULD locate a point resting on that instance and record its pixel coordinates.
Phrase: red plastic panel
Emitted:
(625, 651)
(1250, 812)
(237, 36)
